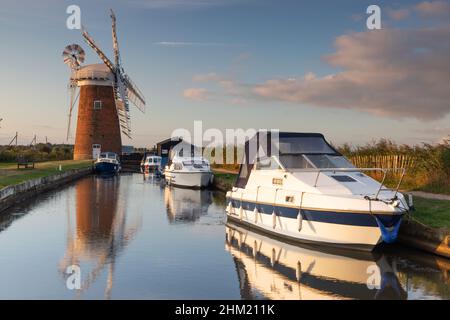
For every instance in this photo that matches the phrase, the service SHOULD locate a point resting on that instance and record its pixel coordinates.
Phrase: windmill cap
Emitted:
(93, 72)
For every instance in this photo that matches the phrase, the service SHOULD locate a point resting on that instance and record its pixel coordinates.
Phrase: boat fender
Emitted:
(388, 234)
(273, 258)
(230, 207)
(299, 220)
(274, 219)
(298, 273)
(241, 212)
(255, 212)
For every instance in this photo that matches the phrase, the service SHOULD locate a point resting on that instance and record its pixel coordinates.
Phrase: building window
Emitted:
(97, 104)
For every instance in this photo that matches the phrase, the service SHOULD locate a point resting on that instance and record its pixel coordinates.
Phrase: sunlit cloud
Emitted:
(392, 73)
(199, 94)
(433, 8)
(398, 14)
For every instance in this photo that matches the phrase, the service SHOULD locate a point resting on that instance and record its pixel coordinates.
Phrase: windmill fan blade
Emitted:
(134, 94)
(102, 56)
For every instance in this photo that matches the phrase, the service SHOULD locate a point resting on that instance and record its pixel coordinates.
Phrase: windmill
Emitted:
(105, 94)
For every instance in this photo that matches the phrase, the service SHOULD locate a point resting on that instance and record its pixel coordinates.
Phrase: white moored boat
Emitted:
(305, 190)
(189, 171)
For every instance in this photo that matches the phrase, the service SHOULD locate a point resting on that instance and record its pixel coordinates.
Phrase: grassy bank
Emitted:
(224, 181)
(9, 175)
(433, 213)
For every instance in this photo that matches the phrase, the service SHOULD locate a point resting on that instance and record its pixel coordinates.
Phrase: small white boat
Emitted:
(187, 168)
(107, 163)
(152, 164)
(305, 190)
(189, 172)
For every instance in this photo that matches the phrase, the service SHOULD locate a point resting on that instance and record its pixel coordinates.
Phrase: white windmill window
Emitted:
(97, 104)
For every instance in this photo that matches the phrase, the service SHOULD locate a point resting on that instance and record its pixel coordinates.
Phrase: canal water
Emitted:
(132, 237)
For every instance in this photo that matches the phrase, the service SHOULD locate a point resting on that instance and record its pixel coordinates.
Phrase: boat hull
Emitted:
(188, 179)
(357, 230)
(106, 168)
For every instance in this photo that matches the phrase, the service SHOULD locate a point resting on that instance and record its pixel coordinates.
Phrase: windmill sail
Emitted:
(125, 90)
(100, 53)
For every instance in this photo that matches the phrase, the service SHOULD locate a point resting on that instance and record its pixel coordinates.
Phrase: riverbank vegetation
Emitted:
(427, 165)
(38, 153)
(10, 175)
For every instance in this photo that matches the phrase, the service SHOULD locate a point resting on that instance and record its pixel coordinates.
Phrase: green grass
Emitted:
(9, 175)
(4, 165)
(433, 213)
(224, 180)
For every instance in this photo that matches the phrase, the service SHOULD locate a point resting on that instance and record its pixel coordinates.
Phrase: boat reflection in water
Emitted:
(270, 269)
(101, 229)
(186, 205)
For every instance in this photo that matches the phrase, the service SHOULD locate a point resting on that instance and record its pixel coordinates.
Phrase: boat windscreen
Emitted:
(295, 161)
(325, 161)
(304, 145)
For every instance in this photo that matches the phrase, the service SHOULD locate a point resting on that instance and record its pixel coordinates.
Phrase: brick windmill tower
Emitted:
(104, 93)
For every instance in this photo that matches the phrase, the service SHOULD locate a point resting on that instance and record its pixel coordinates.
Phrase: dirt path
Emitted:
(433, 196)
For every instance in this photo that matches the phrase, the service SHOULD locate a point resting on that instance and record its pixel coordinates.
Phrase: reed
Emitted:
(427, 165)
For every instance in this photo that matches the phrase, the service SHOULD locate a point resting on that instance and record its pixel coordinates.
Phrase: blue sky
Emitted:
(229, 64)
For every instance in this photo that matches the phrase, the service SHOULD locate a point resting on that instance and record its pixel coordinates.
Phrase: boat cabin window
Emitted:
(326, 161)
(196, 164)
(267, 164)
(302, 145)
(293, 161)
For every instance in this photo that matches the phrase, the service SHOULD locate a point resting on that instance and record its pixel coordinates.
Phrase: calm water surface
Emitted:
(134, 238)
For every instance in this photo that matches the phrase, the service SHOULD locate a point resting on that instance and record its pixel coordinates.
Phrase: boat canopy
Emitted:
(294, 150)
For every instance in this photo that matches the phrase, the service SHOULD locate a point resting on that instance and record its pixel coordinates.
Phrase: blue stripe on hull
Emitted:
(344, 218)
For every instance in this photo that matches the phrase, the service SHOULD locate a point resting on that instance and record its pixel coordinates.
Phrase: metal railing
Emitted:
(385, 172)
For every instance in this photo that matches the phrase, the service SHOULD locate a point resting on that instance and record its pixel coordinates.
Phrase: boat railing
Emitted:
(385, 171)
